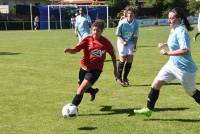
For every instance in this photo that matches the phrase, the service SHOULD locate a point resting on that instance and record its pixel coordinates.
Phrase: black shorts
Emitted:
(91, 75)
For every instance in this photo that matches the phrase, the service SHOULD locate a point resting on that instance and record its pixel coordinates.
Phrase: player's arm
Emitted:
(175, 53)
(122, 40)
(162, 45)
(114, 61)
(135, 39)
(70, 50)
(77, 48)
(76, 27)
(111, 52)
(119, 33)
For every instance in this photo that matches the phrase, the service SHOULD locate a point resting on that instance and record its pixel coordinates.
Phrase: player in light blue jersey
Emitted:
(180, 65)
(198, 28)
(127, 36)
(82, 25)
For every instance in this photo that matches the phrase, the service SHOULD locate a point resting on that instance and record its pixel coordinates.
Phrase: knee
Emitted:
(157, 84)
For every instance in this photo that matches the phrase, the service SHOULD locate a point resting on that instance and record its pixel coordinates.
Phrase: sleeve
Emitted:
(89, 19)
(76, 22)
(183, 39)
(136, 34)
(81, 45)
(119, 29)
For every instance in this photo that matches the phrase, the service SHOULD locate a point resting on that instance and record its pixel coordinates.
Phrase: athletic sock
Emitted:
(127, 69)
(120, 69)
(196, 35)
(89, 90)
(196, 96)
(77, 99)
(152, 98)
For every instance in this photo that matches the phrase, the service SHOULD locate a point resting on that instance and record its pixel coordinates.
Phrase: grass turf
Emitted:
(37, 79)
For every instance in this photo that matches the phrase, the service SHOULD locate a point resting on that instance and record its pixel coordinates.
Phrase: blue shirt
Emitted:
(179, 39)
(83, 25)
(128, 30)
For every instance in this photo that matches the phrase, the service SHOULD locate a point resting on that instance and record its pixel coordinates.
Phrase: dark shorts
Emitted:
(91, 75)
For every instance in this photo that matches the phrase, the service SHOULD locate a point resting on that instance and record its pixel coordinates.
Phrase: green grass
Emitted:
(37, 79)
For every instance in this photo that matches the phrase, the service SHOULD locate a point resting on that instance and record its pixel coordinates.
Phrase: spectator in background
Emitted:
(198, 28)
(82, 25)
(36, 22)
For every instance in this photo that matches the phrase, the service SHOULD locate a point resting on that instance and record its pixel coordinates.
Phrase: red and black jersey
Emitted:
(94, 51)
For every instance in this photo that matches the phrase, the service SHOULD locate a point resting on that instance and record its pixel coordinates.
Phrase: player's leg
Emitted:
(164, 76)
(189, 84)
(128, 64)
(127, 69)
(92, 76)
(80, 91)
(197, 34)
(122, 59)
(120, 69)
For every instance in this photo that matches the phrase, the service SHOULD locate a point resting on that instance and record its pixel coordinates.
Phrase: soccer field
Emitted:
(37, 79)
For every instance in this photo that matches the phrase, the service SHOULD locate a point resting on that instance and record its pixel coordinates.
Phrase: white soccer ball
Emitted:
(69, 110)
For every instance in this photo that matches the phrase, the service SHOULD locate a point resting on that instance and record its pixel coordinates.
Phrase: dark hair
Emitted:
(180, 14)
(130, 8)
(83, 9)
(99, 23)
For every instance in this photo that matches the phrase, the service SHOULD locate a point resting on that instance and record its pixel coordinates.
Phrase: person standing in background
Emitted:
(36, 22)
(82, 25)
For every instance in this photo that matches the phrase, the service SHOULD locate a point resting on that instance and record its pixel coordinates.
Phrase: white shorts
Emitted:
(125, 50)
(170, 72)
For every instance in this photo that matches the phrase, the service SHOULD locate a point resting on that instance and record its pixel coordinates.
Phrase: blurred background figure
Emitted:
(73, 21)
(36, 22)
(82, 25)
(198, 28)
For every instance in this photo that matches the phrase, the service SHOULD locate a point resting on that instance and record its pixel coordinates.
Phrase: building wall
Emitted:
(11, 3)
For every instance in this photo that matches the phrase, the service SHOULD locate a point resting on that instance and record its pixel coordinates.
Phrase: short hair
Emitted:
(99, 23)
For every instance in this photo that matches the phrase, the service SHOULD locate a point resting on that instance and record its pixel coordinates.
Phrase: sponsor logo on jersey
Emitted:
(97, 53)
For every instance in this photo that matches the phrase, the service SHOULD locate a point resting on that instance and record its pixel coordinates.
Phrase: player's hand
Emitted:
(125, 43)
(163, 52)
(162, 45)
(66, 50)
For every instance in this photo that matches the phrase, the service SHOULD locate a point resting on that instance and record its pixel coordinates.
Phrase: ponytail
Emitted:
(180, 14)
(187, 24)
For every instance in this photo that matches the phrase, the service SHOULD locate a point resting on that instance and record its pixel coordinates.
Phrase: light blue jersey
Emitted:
(83, 25)
(179, 39)
(128, 30)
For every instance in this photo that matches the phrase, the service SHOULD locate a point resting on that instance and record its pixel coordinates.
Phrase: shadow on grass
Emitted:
(89, 128)
(178, 119)
(9, 53)
(144, 85)
(109, 111)
(130, 111)
(170, 109)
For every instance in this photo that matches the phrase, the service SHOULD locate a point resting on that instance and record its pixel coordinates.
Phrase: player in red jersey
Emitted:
(94, 48)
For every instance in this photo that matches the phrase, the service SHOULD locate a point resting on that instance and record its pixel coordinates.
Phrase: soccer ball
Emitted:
(69, 110)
